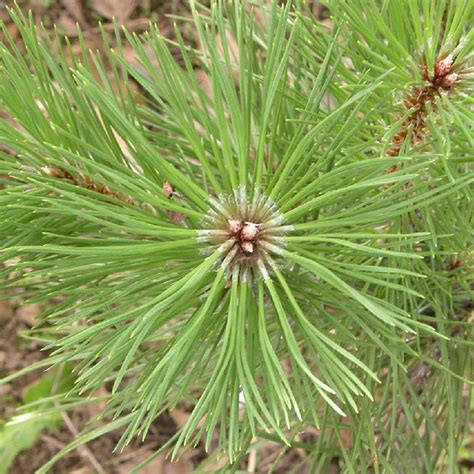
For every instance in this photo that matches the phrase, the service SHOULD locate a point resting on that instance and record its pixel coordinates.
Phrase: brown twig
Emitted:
(85, 182)
(443, 79)
(52, 441)
(83, 450)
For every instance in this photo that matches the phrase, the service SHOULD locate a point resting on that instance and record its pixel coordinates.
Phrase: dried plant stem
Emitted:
(83, 450)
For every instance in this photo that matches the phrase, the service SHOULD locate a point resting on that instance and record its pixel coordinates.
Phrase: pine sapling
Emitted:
(286, 247)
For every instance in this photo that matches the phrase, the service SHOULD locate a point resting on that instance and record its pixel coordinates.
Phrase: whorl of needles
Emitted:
(249, 232)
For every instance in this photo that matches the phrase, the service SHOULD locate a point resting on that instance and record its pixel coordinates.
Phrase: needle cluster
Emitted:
(239, 250)
(247, 231)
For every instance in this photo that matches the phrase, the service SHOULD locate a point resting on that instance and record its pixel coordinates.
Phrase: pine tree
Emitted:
(287, 249)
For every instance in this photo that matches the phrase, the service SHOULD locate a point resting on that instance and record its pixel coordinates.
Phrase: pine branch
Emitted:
(243, 249)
